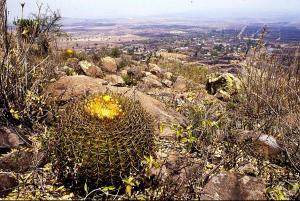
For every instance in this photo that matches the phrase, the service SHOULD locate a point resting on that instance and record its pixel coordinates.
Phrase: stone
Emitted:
(168, 75)
(177, 168)
(136, 72)
(115, 80)
(22, 160)
(167, 83)
(151, 81)
(267, 146)
(90, 69)
(180, 84)
(155, 70)
(71, 87)
(147, 74)
(7, 184)
(234, 186)
(109, 64)
(153, 76)
(259, 144)
(9, 139)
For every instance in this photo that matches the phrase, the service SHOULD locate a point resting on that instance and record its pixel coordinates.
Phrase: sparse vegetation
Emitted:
(193, 72)
(102, 143)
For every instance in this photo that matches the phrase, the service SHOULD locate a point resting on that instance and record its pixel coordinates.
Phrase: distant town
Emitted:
(207, 44)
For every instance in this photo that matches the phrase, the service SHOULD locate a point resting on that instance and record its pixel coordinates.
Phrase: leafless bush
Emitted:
(270, 101)
(23, 74)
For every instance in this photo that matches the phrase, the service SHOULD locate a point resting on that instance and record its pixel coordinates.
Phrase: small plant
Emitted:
(129, 80)
(185, 135)
(129, 183)
(150, 163)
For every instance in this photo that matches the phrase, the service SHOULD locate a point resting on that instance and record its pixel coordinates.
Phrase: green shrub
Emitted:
(129, 80)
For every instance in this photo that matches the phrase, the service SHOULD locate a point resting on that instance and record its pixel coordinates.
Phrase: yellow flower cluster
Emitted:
(103, 107)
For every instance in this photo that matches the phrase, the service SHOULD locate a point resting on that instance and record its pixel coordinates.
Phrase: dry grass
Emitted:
(194, 72)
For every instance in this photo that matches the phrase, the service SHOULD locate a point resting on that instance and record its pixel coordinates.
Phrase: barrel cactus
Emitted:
(101, 140)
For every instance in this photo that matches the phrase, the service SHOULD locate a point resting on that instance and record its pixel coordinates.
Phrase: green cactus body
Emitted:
(101, 140)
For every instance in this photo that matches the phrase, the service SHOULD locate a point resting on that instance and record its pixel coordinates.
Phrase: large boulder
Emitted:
(109, 64)
(90, 69)
(234, 186)
(7, 184)
(222, 85)
(70, 87)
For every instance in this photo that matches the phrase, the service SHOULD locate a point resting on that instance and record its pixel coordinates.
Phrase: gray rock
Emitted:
(259, 143)
(136, 72)
(267, 146)
(22, 160)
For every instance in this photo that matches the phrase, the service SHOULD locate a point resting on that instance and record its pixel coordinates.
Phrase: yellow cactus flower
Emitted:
(104, 107)
(107, 98)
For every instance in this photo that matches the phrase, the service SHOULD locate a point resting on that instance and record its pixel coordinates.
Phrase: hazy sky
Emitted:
(137, 8)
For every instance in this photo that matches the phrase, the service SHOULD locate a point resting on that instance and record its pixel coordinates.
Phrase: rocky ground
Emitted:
(219, 168)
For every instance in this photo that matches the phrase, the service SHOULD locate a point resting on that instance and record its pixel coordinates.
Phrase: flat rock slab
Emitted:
(234, 186)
